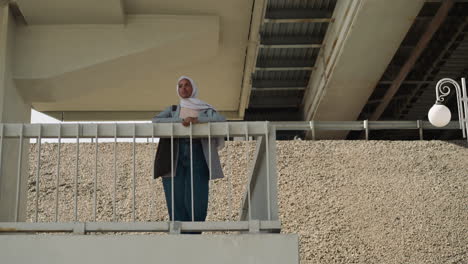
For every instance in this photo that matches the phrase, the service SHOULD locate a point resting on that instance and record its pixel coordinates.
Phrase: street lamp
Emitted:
(439, 114)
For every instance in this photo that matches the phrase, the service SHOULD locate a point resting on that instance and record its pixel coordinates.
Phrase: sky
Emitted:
(38, 117)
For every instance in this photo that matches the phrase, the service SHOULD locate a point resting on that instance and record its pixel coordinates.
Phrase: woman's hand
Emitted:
(186, 122)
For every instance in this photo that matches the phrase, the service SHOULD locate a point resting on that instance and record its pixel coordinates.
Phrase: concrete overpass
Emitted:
(253, 59)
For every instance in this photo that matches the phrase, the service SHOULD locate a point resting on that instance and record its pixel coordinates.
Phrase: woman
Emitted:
(191, 111)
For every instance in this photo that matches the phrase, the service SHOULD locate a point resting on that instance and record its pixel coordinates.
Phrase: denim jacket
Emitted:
(204, 116)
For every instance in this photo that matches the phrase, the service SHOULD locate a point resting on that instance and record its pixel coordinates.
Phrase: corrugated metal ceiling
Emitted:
(290, 39)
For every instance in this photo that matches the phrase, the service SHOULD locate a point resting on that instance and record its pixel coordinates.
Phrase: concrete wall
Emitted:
(117, 249)
(349, 201)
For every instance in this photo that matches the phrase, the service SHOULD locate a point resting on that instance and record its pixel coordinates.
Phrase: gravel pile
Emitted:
(349, 201)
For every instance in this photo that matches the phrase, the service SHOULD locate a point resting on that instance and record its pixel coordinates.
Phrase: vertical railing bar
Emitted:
(114, 206)
(38, 168)
(312, 129)
(95, 173)
(172, 172)
(460, 106)
(247, 164)
(420, 128)
(77, 169)
(267, 170)
(153, 202)
(366, 127)
(134, 172)
(209, 155)
(58, 173)
(18, 181)
(228, 165)
(1, 149)
(191, 173)
(460, 111)
(464, 109)
(209, 149)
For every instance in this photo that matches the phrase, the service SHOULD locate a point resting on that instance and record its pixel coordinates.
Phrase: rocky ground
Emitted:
(349, 201)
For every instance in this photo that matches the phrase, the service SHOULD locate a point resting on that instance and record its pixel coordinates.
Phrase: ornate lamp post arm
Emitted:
(439, 115)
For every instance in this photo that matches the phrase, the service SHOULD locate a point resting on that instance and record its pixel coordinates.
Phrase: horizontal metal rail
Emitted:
(236, 129)
(109, 130)
(91, 227)
(360, 125)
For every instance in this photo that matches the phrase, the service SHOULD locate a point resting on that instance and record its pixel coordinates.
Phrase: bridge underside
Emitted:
(120, 60)
(278, 60)
(339, 58)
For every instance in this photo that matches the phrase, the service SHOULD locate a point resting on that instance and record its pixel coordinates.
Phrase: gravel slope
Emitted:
(349, 201)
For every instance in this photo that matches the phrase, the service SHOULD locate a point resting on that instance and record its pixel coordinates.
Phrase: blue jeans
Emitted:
(183, 183)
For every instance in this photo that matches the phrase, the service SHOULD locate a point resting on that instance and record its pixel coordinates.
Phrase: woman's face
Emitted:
(185, 88)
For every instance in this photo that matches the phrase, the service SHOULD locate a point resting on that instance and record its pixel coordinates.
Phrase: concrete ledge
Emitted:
(248, 248)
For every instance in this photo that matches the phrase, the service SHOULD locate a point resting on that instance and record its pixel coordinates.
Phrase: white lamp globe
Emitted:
(439, 115)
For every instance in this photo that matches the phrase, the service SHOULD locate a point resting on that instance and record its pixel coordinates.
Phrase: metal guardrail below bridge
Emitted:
(259, 206)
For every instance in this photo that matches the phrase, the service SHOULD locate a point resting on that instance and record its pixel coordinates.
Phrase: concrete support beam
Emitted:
(13, 109)
(258, 15)
(358, 46)
(48, 51)
(131, 68)
(57, 11)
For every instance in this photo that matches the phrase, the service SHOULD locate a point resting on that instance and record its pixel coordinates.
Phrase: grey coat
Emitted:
(208, 115)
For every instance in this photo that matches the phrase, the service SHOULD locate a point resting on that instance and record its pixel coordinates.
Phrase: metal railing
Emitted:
(259, 206)
(364, 126)
(260, 194)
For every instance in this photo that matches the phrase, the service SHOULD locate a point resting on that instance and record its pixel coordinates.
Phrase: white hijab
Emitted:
(192, 102)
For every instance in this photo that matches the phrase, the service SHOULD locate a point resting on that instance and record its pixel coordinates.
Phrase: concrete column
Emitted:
(359, 45)
(13, 109)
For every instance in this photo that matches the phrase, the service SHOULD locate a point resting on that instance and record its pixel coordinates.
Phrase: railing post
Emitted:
(114, 193)
(18, 179)
(57, 183)
(175, 227)
(420, 128)
(14, 173)
(227, 173)
(38, 173)
(273, 175)
(366, 128)
(77, 170)
(263, 180)
(312, 129)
